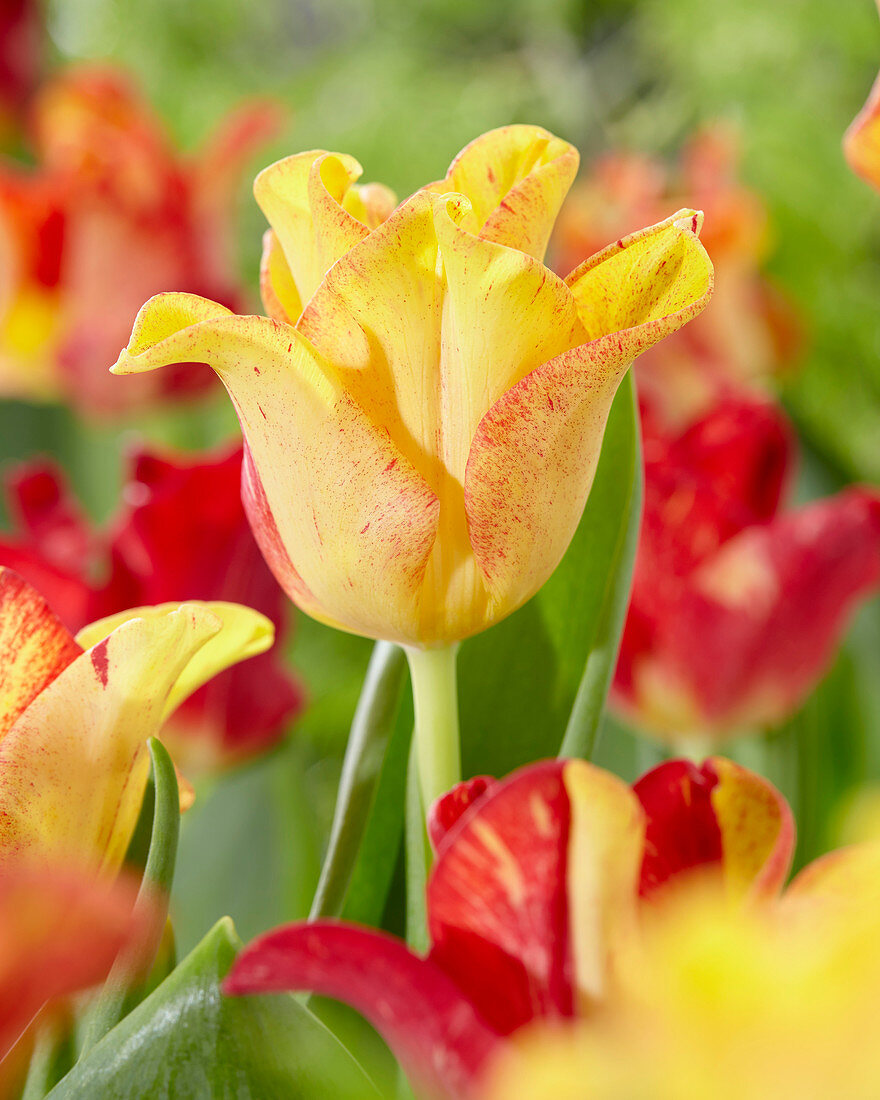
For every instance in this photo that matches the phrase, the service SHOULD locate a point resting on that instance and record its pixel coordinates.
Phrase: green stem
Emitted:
(435, 699)
(371, 731)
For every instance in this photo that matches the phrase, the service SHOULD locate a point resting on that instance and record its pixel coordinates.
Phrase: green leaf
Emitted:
(189, 1042)
(371, 731)
(519, 681)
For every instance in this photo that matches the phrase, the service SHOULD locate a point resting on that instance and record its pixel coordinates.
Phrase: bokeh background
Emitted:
(402, 87)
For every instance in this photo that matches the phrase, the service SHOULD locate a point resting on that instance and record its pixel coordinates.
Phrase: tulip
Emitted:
(533, 906)
(750, 332)
(109, 187)
(861, 143)
(737, 605)
(76, 713)
(421, 442)
(21, 58)
(729, 1003)
(181, 533)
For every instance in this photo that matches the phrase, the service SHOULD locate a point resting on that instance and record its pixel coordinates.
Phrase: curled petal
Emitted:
(278, 290)
(535, 452)
(343, 501)
(245, 633)
(35, 647)
(302, 197)
(429, 1024)
(74, 765)
(515, 178)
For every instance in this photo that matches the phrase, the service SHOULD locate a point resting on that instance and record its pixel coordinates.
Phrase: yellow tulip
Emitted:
(75, 715)
(424, 410)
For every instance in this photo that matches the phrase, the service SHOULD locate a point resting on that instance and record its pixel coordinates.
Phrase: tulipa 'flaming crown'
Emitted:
(424, 412)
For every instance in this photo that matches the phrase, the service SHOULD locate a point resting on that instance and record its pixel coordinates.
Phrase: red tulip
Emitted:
(737, 606)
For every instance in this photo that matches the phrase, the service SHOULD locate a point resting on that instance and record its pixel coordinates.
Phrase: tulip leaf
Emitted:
(520, 680)
(371, 731)
(188, 1041)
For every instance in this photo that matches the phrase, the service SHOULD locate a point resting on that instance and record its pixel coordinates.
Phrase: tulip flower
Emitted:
(60, 932)
(76, 713)
(729, 1003)
(181, 533)
(750, 332)
(20, 63)
(533, 905)
(420, 443)
(737, 605)
(109, 187)
(861, 143)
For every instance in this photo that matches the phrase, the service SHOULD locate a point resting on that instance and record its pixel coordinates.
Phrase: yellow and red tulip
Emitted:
(422, 439)
(737, 604)
(109, 186)
(76, 713)
(180, 534)
(534, 905)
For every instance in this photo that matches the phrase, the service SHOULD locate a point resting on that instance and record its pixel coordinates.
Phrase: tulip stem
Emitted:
(435, 699)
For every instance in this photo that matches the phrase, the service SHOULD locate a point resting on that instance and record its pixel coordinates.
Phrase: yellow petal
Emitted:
(515, 178)
(244, 633)
(302, 198)
(353, 517)
(535, 452)
(846, 877)
(35, 647)
(74, 765)
(605, 847)
(281, 299)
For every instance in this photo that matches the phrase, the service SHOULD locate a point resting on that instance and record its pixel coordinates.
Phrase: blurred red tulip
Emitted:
(181, 534)
(531, 905)
(21, 58)
(737, 606)
(749, 331)
(112, 215)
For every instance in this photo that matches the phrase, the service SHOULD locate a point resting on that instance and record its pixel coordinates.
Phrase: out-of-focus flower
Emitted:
(76, 713)
(534, 905)
(730, 1003)
(111, 215)
(60, 932)
(181, 534)
(737, 606)
(750, 330)
(21, 56)
(421, 442)
(861, 143)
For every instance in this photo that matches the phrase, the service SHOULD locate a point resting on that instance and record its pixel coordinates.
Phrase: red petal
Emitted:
(431, 1027)
(497, 900)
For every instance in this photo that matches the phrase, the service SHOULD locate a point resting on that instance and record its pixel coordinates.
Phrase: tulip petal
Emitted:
(344, 502)
(302, 198)
(535, 451)
(281, 299)
(497, 900)
(861, 143)
(74, 765)
(245, 633)
(604, 853)
(515, 178)
(451, 806)
(430, 1026)
(718, 816)
(35, 647)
